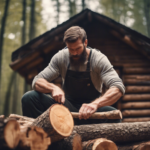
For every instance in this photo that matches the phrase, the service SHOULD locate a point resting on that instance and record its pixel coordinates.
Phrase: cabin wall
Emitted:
(132, 67)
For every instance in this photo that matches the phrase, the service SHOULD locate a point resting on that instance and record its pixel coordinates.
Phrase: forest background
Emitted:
(23, 20)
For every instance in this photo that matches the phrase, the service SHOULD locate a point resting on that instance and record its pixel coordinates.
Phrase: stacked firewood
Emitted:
(55, 130)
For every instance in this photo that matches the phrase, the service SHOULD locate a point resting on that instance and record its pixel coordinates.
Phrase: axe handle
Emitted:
(114, 114)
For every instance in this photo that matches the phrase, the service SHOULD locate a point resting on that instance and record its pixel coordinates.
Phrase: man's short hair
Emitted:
(74, 33)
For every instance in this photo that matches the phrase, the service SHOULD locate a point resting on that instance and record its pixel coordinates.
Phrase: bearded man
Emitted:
(83, 71)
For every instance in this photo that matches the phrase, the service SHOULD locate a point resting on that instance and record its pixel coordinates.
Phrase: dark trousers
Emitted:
(35, 103)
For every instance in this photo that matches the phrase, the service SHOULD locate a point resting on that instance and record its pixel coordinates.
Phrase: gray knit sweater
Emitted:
(101, 70)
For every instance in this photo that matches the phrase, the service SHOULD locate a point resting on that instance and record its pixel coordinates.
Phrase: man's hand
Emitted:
(58, 95)
(87, 110)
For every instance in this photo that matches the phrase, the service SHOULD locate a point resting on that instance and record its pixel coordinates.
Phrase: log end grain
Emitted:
(61, 120)
(104, 144)
(12, 133)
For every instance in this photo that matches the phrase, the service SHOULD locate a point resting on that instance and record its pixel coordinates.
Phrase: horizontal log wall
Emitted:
(132, 67)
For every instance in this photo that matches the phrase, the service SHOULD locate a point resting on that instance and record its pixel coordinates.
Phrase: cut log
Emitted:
(131, 145)
(130, 105)
(136, 97)
(136, 113)
(9, 133)
(21, 118)
(115, 114)
(35, 138)
(116, 132)
(57, 121)
(77, 142)
(143, 146)
(137, 89)
(99, 144)
(136, 119)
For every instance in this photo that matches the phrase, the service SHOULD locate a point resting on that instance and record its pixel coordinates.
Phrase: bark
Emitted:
(116, 114)
(117, 132)
(55, 123)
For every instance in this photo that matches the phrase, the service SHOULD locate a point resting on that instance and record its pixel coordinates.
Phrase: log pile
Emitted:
(55, 130)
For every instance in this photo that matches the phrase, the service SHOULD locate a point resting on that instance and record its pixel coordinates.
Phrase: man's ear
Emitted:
(86, 43)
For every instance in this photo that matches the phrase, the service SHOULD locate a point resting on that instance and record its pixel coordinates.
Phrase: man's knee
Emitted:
(27, 98)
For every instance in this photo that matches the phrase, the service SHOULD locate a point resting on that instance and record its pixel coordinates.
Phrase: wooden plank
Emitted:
(136, 105)
(140, 70)
(136, 113)
(136, 97)
(137, 89)
(137, 77)
(136, 119)
(136, 82)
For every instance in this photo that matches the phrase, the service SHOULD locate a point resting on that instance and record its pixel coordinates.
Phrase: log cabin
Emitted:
(127, 50)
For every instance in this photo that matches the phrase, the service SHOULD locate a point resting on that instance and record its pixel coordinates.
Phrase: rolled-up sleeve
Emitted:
(109, 76)
(50, 73)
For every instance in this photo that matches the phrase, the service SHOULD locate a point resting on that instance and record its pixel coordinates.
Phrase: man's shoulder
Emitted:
(96, 54)
(62, 54)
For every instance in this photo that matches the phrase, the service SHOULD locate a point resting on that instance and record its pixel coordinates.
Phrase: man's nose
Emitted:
(74, 53)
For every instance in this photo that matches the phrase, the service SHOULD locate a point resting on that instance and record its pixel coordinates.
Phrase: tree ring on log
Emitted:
(61, 119)
(104, 144)
(12, 133)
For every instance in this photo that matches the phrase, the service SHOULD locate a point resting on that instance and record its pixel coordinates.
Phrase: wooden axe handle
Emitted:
(114, 114)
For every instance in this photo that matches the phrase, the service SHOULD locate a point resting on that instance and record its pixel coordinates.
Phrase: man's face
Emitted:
(77, 51)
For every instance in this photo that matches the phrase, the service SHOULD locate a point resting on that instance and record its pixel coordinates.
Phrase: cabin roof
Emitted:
(131, 37)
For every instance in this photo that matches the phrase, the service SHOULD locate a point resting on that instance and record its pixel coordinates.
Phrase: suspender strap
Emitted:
(88, 64)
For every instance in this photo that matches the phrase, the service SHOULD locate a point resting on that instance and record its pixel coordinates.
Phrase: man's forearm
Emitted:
(43, 86)
(109, 98)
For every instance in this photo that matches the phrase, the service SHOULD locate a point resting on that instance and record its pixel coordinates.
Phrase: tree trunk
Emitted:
(32, 21)
(3, 24)
(57, 122)
(7, 96)
(147, 14)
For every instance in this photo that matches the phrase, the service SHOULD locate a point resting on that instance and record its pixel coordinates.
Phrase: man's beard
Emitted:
(81, 59)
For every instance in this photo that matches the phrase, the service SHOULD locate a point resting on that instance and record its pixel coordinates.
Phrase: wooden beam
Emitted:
(136, 97)
(136, 105)
(137, 89)
(136, 113)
